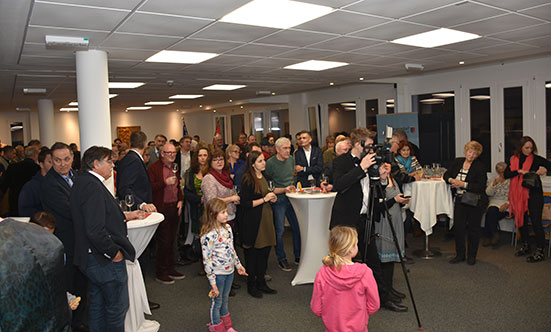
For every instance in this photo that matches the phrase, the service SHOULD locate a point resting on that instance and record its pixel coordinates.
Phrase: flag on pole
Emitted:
(185, 132)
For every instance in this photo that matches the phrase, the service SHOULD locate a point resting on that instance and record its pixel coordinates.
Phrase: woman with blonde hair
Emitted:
(467, 177)
(345, 293)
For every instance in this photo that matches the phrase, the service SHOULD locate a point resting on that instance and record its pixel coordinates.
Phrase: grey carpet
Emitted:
(500, 293)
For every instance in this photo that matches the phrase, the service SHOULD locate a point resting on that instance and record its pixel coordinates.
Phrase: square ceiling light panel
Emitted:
(436, 38)
(279, 14)
(224, 87)
(185, 96)
(158, 103)
(138, 108)
(180, 57)
(316, 65)
(125, 85)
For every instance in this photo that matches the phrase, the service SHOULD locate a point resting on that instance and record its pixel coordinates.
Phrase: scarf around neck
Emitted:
(518, 195)
(406, 163)
(223, 178)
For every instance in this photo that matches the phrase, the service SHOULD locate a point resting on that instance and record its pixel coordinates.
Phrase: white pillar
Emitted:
(46, 122)
(94, 115)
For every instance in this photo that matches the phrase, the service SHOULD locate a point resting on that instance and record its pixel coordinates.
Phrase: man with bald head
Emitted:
(168, 198)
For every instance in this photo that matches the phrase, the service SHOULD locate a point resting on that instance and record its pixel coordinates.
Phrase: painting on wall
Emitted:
(220, 126)
(124, 133)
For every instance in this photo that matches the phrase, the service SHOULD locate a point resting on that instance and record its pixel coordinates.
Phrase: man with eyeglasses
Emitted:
(168, 198)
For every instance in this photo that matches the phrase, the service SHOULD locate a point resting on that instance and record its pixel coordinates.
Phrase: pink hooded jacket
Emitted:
(344, 299)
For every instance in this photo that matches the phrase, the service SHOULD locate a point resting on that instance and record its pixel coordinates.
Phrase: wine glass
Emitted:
(235, 189)
(174, 168)
(271, 186)
(129, 201)
(312, 183)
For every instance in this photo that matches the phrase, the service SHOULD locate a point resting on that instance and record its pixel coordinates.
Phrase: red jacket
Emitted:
(158, 185)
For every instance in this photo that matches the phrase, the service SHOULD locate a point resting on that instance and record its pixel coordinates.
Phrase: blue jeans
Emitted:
(219, 304)
(282, 208)
(108, 295)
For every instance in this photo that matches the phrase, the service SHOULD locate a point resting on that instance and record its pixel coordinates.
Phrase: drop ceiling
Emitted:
(357, 32)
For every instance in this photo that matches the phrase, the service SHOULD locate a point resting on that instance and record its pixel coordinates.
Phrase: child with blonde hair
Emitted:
(219, 259)
(345, 293)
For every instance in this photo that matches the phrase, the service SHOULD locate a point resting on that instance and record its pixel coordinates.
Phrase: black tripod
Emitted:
(377, 190)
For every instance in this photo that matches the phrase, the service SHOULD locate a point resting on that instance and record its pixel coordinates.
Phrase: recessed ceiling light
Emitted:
(361, 78)
(436, 38)
(461, 62)
(443, 95)
(23, 109)
(180, 57)
(241, 106)
(185, 96)
(281, 14)
(125, 85)
(214, 111)
(69, 109)
(34, 91)
(73, 103)
(273, 93)
(126, 111)
(159, 103)
(231, 100)
(480, 97)
(225, 87)
(432, 101)
(201, 106)
(331, 83)
(316, 65)
(138, 108)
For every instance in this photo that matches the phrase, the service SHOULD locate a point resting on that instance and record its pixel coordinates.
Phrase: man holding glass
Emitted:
(281, 170)
(168, 198)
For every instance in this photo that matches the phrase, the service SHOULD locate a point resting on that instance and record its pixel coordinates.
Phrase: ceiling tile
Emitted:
(295, 38)
(395, 9)
(540, 42)
(514, 4)
(45, 62)
(543, 12)
(331, 3)
(455, 57)
(330, 23)
(41, 50)
(424, 53)
(393, 30)
(209, 46)
(247, 69)
(385, 49)
(37, 34)
(455, 14)
(213, 9)
(347, 57)
(127, 54)
(260, 50)
(233, 32)
(502, 49)
(307, 54)
(498, 24)
(273, 62)
(121, 4)
(124, 40)
(473, 44)
(121, 64)
(162, 25)
(344, 44)
(53, 15)
(380, 61)
(525, 33)
(233, 60)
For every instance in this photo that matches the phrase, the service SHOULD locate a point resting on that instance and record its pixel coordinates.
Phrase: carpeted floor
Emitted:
(500, 293)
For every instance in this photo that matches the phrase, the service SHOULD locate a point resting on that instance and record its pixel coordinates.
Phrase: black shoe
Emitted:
(471, 261)
(184, 262)
(408, 260)
(266, 290)
(389, 305)
(538, 256)
(284, 265)
(232, 292)
(254, 292)
(524, 250)
(235, 286)
(297, 261)
(397, 293)
(153, 305)
(393, 298)
(456, 260)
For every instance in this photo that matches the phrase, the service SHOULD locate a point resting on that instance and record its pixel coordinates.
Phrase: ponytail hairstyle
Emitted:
(341, 240)
(214, 207)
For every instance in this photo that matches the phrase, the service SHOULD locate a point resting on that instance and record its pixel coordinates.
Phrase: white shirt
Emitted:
(307, 153)
(185, 162)
(364, 182)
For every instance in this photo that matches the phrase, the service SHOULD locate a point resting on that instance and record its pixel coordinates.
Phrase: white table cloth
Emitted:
(429, 198)
(140, 233)
(313, 213)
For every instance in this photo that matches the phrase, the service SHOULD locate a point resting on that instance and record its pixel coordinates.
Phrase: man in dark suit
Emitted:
(17, 175)
(102, 244)
(308, 160)
(351, 206)
(29, 198)
(155, 152)
(55, 191)
(183, 157)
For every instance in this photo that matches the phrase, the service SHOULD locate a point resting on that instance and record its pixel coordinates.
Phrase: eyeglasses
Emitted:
(169, 152)
(217, 159)
(236, 151)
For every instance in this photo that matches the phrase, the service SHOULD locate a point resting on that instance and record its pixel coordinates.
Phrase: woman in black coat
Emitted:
(467, 176)
(257, 231)
(523, 200)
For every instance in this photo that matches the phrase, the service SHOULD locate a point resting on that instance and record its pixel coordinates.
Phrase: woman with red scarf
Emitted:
(217, 183)
(527, 202)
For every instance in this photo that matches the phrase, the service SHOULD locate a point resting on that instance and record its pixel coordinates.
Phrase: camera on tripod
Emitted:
(383, 155)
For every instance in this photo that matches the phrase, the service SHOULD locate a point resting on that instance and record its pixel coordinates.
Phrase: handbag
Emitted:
(470, 198)
(531, 181)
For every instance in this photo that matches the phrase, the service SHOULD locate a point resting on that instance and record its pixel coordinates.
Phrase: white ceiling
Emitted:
(357, 32)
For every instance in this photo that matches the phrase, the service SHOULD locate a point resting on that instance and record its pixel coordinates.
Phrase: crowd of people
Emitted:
(216, 196)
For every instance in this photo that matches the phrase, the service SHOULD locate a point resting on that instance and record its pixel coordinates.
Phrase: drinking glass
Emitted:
(129, 201)
(235, 190)
(271, 187)
(174, 168)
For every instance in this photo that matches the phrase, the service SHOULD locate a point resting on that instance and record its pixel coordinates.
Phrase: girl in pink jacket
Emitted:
(345, 293)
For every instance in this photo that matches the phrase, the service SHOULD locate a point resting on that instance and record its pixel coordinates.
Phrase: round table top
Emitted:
(152, 219)
(311, 195)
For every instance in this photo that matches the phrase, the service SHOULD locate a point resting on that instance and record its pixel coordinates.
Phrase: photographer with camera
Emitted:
(351, 206)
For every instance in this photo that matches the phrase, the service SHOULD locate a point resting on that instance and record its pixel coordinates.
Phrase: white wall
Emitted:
(168, 123)
(6, 118)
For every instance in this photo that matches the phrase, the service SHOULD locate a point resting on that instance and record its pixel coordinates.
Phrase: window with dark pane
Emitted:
(512, 112)
(480, 123)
